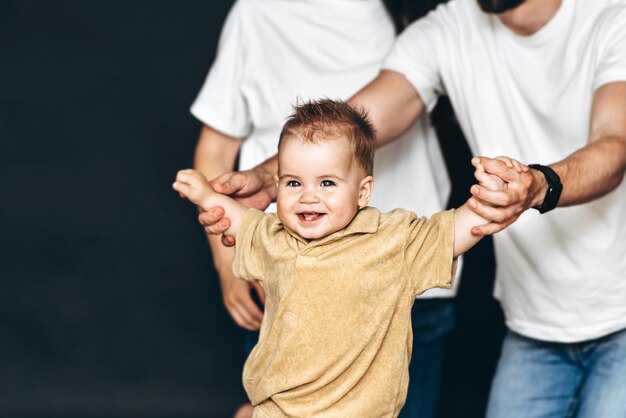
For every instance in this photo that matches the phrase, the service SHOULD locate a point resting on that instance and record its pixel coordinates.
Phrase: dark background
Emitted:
(109, 306)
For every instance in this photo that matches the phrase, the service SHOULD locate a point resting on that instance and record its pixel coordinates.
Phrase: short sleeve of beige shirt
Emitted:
(429, 251)
(249, 264)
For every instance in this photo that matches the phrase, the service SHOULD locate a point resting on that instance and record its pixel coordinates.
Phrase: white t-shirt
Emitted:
(272, 52)
(560, 276)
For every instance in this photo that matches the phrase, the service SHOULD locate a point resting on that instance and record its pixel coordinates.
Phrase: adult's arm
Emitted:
(392, 104)
(215, 154)
(587, 174)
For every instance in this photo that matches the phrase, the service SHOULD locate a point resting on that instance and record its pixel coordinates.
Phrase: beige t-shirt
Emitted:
(336, 336)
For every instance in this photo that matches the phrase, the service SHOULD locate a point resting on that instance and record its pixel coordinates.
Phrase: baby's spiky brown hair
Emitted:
(327, 119)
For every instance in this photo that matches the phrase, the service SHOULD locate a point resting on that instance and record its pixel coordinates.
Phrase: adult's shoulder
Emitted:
(606, 30)
(243, 9)
(451, 20)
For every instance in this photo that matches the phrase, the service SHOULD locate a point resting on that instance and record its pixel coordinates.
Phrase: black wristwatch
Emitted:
(555, 188)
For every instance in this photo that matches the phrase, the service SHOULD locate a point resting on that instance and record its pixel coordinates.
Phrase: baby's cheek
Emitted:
(281, 208)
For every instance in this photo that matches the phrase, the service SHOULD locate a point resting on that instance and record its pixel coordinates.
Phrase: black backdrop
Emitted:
(109, 306)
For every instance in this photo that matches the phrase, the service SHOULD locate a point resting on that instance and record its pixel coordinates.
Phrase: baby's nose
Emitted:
(309, 196)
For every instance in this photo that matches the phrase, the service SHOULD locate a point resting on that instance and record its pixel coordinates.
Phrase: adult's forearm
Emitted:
(215, 153)
(392, 104)
(222, 256)
(598, 168)
(592, 171)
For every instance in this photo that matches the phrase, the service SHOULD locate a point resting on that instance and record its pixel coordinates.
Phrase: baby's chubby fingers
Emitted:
(480, 174)
(183, 189)
(487, 180)
(192, 184)
(187, 176)
(184, 182)
(513, 163)
(506, 160)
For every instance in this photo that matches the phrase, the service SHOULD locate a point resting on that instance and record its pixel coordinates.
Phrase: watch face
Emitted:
(552, 197)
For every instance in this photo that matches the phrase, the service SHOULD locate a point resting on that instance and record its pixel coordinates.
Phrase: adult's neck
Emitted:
(530, 16)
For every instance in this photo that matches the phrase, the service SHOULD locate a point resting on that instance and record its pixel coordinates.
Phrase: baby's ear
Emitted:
(365, 191)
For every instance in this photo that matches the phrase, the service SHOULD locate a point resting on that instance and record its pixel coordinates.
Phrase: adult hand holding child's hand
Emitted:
(503, 206)
(254, 188)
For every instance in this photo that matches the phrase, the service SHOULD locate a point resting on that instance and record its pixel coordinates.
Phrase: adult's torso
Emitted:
(560, 276)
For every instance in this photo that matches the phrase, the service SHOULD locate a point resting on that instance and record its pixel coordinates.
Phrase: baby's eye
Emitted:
(293, 183)
(327, 183)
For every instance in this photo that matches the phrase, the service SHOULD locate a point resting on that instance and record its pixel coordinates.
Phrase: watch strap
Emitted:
(555, 187)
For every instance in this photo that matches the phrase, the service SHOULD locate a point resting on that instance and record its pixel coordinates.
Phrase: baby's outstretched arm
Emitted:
(192, 185)
(465, 219)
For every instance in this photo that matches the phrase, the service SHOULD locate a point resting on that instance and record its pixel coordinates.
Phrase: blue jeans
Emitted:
(432, 321)
(542, 379)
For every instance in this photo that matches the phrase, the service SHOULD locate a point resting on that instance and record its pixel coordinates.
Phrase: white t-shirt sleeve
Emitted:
(415, 56)
(221, 103)
(611, 65)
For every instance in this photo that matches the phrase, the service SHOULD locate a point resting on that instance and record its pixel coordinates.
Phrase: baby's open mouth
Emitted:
(309, 216)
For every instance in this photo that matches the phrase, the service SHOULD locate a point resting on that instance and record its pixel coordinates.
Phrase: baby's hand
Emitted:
(513, 163)
(493, 182)
(192, 185)
(488, 181)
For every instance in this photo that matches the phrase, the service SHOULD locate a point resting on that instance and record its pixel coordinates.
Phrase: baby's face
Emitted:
(320, 186)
